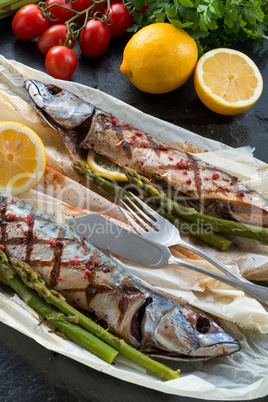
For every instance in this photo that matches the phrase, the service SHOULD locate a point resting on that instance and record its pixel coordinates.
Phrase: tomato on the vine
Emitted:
(95, 38)
(52, 36)
(81, 5)
(29, 22)
(120, 18)
(60, 15)
(61, 62)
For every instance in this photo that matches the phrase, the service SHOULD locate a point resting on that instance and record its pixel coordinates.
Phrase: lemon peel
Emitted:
(104, 167)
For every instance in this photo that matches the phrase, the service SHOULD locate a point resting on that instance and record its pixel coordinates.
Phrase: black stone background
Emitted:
(29, 372)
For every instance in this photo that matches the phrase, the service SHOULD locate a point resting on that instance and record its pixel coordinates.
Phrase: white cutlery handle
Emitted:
(259, 293)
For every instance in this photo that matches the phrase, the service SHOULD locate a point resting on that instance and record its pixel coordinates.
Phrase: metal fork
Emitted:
(154, 227)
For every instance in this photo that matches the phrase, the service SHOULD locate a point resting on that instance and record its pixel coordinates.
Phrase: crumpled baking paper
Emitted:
(242, 376)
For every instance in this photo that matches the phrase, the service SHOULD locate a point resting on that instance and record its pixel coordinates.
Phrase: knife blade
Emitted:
(107, 235)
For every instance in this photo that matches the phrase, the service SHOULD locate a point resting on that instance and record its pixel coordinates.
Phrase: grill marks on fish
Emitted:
(83, 126)
(94, 289)
(105, 119)
(194, 167)
(3, 207)
(131, 310)
(56, 260)
(109, 122)
(164, 162)
(30, 237)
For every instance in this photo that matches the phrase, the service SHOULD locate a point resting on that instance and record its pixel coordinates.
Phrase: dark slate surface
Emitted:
(28, 372)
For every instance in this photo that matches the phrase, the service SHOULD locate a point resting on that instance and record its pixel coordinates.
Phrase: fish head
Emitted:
(58, 106)
(181, 332)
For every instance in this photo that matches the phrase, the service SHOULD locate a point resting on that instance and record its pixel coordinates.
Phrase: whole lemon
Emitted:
(159, 58)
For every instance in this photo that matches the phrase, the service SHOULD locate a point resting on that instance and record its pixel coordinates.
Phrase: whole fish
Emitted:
(94, 282)
(82, 126)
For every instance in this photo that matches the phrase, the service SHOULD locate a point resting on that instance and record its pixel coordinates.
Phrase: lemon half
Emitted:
(22, 158)
(104, 167)
(227, 81)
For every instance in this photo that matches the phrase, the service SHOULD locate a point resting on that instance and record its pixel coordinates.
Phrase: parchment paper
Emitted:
(242, 376)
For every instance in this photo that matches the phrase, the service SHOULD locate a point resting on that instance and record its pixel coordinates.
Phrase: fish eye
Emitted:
(202, 325)
(54, 90)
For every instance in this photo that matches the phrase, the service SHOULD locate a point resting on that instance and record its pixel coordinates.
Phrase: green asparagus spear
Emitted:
(32, 279)
(10, 6)
(73, 331)
(188, 227)
(216, 224)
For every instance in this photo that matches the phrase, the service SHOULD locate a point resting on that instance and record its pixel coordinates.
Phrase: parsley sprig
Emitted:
(212, 23)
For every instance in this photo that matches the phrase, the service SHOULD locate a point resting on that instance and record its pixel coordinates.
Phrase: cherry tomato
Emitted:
(29, 22)
(61, 62)
(81, 5)
(52, 37)
(60, 15)
(95, 38)
(120, 18)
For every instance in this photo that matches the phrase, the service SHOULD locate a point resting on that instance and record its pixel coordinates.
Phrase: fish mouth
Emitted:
(136, 323)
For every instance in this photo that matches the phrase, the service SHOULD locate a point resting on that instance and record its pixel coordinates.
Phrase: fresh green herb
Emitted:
(212, 23)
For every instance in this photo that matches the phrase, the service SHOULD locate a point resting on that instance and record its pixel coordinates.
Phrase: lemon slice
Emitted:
(104, 167)
(22, 158)
(227, 81)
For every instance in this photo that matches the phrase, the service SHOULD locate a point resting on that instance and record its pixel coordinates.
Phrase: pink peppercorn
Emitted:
(144, 144)
(188, 181)
(115, 121)
(28, 220)
(87, 274)
(185, 172)
(215, 176)
(52, 243)
(105, 270)
(206, 178)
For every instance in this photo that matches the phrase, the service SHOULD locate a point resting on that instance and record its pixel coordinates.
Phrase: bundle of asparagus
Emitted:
(30, 286)
(196, 224)
(9, 7)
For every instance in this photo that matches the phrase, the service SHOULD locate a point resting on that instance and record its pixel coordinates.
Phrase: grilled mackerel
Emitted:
(93, 282)
(82, 126)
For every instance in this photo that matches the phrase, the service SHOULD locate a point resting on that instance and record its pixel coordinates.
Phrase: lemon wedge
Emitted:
(22, 158)
(227, 81)
(104, 167)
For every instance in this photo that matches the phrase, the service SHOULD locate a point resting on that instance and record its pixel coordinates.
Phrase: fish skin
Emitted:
(94, 282)
(125, 145)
